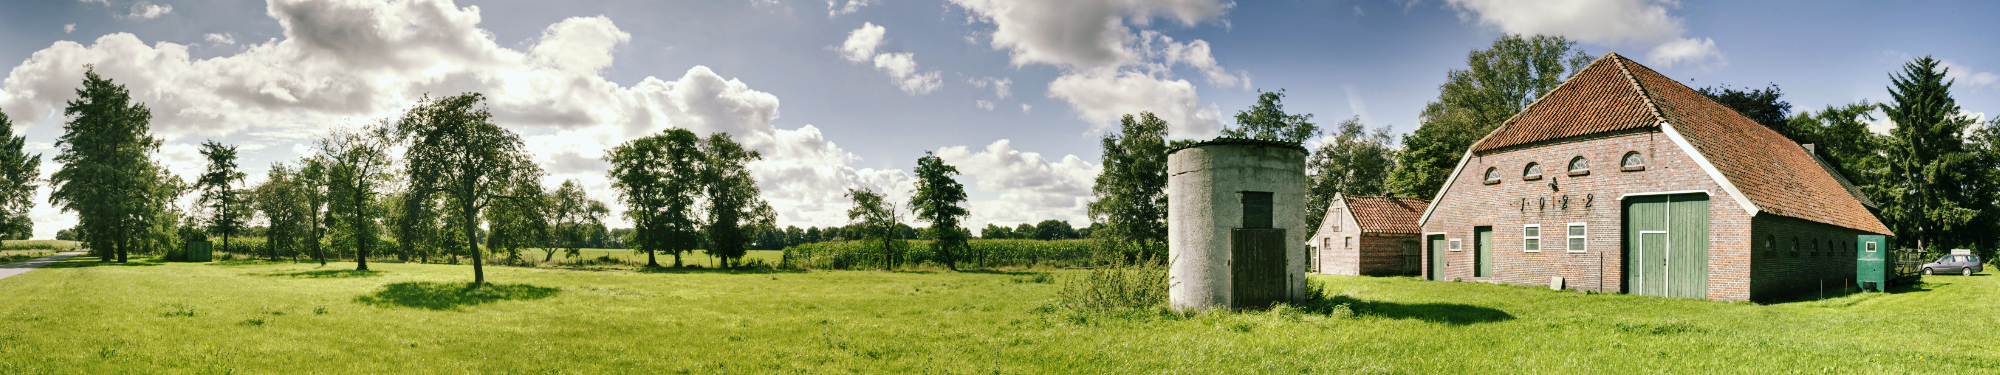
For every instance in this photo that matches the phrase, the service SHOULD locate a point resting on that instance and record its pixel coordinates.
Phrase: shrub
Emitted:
(1114, 289)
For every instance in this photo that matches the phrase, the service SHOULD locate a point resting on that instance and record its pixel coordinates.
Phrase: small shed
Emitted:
(1236, 223)
(1372, 236)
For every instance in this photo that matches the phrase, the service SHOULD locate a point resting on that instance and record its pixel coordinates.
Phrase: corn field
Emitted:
(983, 253)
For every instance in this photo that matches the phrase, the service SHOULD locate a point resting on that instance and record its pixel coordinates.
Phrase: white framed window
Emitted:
(1531, 238)
(1532, 172)
(1578, 236)
(1326, 243)
(1350, 242)
(1871, 246)
(1452, 245)
(1492, 175)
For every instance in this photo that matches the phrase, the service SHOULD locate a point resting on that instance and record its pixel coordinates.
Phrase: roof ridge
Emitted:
(1538, 100)
(1644, 95)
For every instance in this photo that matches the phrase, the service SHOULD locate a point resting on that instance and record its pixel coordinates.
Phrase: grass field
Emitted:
(80, 316)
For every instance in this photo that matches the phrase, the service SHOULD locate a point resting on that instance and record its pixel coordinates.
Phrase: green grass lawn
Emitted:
(80, 316)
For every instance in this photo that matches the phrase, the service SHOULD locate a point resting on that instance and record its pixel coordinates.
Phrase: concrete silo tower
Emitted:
(1236, 224)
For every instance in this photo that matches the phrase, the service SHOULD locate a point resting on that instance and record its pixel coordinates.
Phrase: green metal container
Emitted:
(1874, 266)
(200, 251)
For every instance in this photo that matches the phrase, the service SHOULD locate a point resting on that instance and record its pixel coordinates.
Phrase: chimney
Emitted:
(1809, 148)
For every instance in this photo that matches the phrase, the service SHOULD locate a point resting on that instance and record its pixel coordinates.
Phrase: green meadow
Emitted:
(81, 316)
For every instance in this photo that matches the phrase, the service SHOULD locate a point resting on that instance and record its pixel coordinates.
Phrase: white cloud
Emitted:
(1002, 87)
(581, 44)
(901, 67)
(834, 8)
(98, 2)
(1095, 43)
(861, 43)
(1025, 107)
(1965, 75)
(219, 39)
(1641, 23)
(1032, 188)
(146, 10)
(1193, 54)
(983, 104)
(344, 63)
(1103, 97)
(1701, 52)
(69, 28)
(1080, 33)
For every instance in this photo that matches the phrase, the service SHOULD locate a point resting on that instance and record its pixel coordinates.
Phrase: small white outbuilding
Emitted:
(1236, 224)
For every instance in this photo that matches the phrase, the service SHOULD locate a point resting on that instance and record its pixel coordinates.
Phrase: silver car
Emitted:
(1963, 264)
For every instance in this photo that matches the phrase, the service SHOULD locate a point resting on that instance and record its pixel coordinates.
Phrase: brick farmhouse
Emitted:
(1623, 180)
(1373, 236)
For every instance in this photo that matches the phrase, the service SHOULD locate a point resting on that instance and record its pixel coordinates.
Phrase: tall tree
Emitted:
(357, 166)
(1052, 229)
(516, 224)
(107, 178)
(1926, 155)
(455, 150)
(573, 218)
(1497, 83)
(283, 202)
(218, 191)
(1842, 138)
(1267, 120)
(19, 173)
(312, 180)
(876, 219)
(1352, 161)
(1763, 106)
(939, 201)
(658, 178)
(736, 210)
(1131, 192)
(1983, 192)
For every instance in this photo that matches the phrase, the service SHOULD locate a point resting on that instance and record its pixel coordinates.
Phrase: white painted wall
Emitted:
(1203, 185)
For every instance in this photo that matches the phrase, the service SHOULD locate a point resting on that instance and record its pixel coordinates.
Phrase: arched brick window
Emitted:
(1632, 161)
(1532, 172)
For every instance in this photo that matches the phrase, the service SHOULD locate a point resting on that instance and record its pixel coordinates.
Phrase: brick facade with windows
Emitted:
(1758, 186)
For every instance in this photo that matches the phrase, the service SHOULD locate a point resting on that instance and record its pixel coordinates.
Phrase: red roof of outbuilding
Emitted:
(1615, 93)
(1387, 215)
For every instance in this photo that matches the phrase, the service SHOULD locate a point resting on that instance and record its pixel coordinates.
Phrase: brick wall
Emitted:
(1337, 259)
(1381, 254)
(1778, 272)
(1593, 199)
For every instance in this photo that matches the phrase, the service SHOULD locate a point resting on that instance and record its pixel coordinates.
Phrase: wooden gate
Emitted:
(1666, 245)
(1256, 266)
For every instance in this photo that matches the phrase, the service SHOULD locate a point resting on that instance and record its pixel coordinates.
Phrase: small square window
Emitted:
(1452, 245)
(1350, 242)
(1531, 236)
(1871, 246)
(1577, 237)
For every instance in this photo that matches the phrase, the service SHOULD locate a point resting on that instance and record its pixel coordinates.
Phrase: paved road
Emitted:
(21, 267)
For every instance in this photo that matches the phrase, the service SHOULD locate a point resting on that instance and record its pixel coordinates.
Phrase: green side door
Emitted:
(1482, 248)
(1437, 257)
(1666, 249)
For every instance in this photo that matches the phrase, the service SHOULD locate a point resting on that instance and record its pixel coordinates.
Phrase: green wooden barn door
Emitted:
(1667, 245)
(1482, 247)
(1437, 257)
(1687, 246)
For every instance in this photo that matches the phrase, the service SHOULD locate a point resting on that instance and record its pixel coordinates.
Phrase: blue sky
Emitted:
(850, 93)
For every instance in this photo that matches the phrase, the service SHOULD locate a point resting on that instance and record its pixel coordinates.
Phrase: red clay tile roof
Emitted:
(1614, 93)
(1387, 215)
